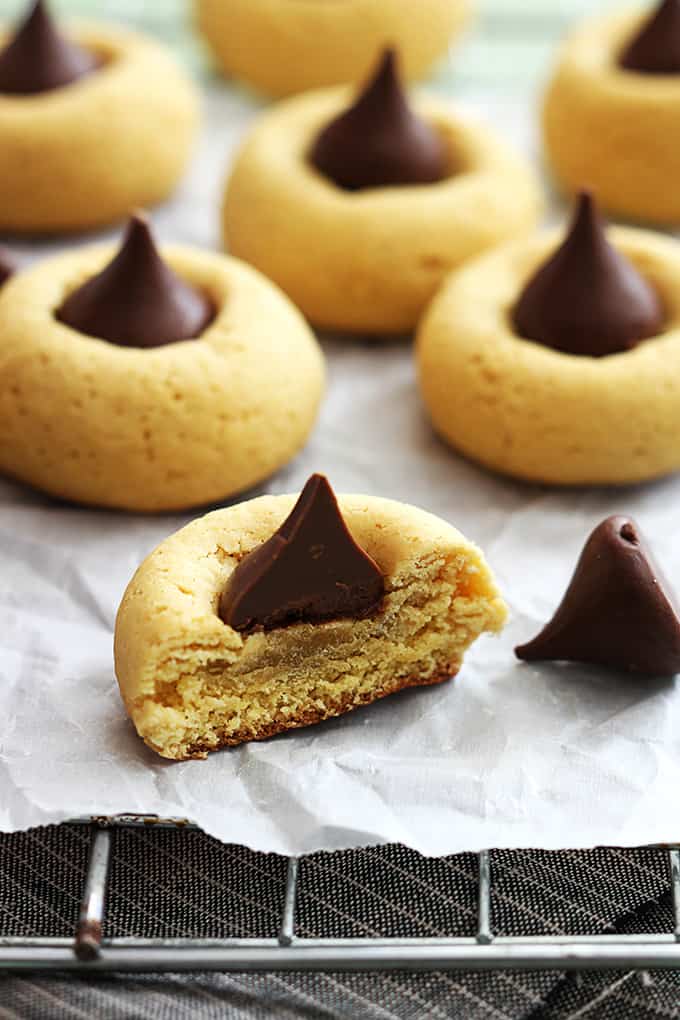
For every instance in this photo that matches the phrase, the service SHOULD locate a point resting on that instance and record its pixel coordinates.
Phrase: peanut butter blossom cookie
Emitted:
(611, 112)
(283, 48)
(559, 360)
(93, 122)
(277, 613)
(144, 381)
(358, 207)
(618, 610)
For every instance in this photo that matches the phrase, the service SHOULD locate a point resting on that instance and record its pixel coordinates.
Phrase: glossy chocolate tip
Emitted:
(38, 58)
(379, 141)
(618, 610)
(8, 265)
(655, 49)
(137, 300)
(588, 298)
(311, 570)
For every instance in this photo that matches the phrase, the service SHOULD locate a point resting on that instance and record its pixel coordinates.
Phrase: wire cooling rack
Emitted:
(89, 951)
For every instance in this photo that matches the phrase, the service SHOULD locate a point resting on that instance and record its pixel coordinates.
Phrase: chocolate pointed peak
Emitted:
(39, 58)
(137, 300)
(656, 47)
(588, 298)
(8, 265)
(379, 141)
(310, 570)
(618, 610)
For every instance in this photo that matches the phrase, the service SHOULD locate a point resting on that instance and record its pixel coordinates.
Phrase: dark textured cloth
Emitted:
(172, 883)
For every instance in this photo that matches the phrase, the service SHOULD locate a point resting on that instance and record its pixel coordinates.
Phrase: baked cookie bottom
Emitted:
(192, 684)
(336, 703)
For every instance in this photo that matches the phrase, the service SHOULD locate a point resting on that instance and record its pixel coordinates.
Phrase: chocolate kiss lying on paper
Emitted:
(618, 610)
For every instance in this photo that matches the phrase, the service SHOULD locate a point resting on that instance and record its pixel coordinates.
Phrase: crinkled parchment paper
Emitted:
(508, 755)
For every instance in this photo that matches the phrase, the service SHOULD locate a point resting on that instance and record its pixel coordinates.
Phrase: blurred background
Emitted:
(495, 71)
(508, 47)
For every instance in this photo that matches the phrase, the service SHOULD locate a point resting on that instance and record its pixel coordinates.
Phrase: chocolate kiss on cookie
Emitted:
(39, 58)
(137, 300)
(310, 570)
(656, 47)
(588, 298)
(617, 611)
(379, 141)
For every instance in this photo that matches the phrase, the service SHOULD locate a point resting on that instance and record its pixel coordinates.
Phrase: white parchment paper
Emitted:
(508, 755)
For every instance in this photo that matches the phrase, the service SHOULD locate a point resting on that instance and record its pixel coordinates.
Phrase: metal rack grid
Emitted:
(89, 951)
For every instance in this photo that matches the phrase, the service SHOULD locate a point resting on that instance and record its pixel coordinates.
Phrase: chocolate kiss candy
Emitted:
(137, 300)
(7, 265)
(656, 47)
(588, 299)
(378, 141)
(617, 610)
(311, 569)
(39, 58)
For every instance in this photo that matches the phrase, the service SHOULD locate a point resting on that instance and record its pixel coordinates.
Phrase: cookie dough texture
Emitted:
(191, 684)
(295, 45)
(86, 154)
(176, 426)
(368, 261)
(530, 411)
(613, 130)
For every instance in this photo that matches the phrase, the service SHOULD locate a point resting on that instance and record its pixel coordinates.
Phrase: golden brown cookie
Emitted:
(289, 47)
(168, 427)
(192, 683)
(86, 153)
(525, 409)
(369, 260)
(611, 128)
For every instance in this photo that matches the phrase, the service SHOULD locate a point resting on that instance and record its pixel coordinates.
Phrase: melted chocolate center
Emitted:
(137, 300)
(310, 570)
(588, 298)
(379, 141)
(618, 610)
(656, 47)
(39, 58)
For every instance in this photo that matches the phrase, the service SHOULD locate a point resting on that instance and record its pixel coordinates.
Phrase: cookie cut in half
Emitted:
(277, 613)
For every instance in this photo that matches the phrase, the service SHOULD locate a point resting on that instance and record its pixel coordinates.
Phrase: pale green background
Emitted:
(508, 48)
